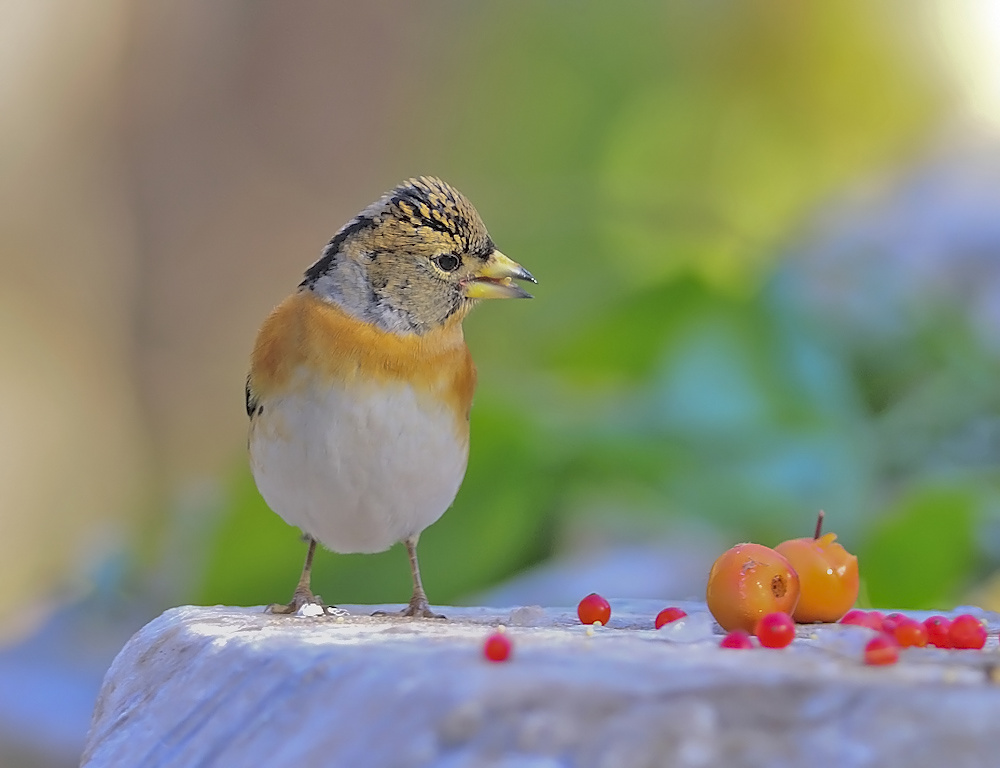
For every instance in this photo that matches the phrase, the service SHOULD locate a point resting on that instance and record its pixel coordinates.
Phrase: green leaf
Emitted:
(923, 552)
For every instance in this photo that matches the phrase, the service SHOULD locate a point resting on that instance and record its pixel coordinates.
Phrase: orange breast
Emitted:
(306, 334)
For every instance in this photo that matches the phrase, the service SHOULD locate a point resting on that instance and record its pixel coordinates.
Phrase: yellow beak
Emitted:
(496, 280)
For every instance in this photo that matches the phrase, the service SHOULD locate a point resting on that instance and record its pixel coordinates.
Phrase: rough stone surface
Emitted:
(222, 686)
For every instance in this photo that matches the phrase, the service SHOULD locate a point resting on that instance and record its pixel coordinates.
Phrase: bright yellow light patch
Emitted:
(968, 32)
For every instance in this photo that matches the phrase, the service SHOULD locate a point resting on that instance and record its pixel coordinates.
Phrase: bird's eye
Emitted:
(447, 261)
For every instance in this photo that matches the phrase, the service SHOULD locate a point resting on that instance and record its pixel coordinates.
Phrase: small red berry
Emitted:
(594, 609)
(890, 622)
(863, 619)
(775, 630)
(497, 647)
(736, 639)
(881, 650)
(967, 632)
(668, 615)
(910, 633)
(938, 631)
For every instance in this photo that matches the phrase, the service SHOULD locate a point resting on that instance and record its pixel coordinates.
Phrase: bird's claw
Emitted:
(304, 603)
(417, 609)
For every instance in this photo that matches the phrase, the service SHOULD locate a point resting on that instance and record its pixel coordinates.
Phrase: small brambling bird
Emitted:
(361, 382)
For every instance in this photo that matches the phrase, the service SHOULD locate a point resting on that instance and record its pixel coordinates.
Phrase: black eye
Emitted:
(447, 261)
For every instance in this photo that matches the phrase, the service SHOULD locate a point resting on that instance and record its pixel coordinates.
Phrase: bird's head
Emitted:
(415, 259)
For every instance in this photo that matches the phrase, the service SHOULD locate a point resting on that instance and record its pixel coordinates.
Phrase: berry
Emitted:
(775, 630)
(747, 582)
(877, 619)
(967, 632)
(881, 650)
(890, 622)
(668, 615)
(938, 631)
(909, 633)
(497, 647)
(872, 620)
(594, 609)
(736, 639)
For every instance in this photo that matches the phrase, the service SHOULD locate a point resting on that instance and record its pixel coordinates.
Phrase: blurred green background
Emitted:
(752, 223)
(767, 237)
(658, 166)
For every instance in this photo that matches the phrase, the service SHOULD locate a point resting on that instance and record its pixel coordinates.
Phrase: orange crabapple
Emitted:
(747, 582)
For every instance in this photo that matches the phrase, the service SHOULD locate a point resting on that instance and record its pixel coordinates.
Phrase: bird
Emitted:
(361, 383)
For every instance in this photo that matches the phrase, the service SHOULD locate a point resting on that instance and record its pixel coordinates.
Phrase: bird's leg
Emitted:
(418, 603)
(303, 594)
(418, 606)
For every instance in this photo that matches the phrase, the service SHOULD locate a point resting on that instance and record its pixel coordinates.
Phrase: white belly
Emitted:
(357, 471)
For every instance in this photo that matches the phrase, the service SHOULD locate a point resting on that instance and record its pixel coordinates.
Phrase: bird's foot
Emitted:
(305, 603)
(417, 609)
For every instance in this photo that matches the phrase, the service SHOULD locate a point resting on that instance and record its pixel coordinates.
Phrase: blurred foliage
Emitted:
(919, 555)
(650, 163)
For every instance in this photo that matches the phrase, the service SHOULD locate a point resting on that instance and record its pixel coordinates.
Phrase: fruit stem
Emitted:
(819, 524)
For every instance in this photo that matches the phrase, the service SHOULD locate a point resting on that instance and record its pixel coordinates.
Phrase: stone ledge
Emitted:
(235, 687)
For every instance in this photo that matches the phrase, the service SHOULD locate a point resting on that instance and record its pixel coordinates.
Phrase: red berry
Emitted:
(890, 622)
(736, 639)
(938, 631)
(775, 630)
(967, 632)
(910, 633)
(872, 620)
(669, 614)
(497, 647)
(594, 609)
(881, 650)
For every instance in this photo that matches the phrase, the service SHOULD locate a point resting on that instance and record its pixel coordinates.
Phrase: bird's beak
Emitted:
(496, 280)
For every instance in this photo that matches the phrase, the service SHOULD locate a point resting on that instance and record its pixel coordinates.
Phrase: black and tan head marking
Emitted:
(430, 205)
(413, 260)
